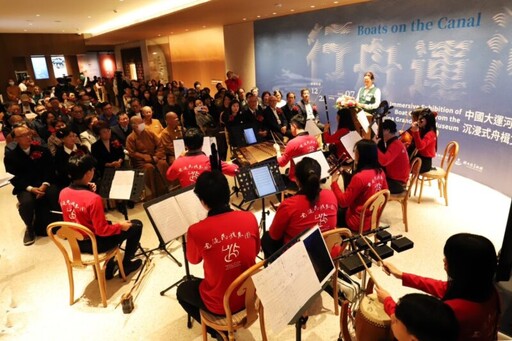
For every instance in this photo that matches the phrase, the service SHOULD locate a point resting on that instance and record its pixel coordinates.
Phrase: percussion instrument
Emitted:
(372, 323)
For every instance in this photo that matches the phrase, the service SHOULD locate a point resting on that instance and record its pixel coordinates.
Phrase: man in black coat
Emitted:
(32, 167)
(274, 119)
(308, 109)
(121, 130)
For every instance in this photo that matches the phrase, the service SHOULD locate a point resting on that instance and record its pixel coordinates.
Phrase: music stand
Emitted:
(248, 185)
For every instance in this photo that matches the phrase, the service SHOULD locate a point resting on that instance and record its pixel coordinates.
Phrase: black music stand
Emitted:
(135, 194)
(248, 187)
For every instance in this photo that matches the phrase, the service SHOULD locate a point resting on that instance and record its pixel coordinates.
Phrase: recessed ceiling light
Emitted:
(244, 19)
(89, 17)
(292, 10)
(274, 13)
(186, 30)
(312, 6)
(258, 16)
(24, 30)
(159, 35)
(38, 15)
(154, 52)
(29, 24)
(336, 2)
(204, 26)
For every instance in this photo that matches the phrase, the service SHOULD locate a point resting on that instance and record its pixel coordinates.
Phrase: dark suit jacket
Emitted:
(289, 113)
(302, 109)
(103, 156)
(119, 134)
(29, 170)
(270, 120)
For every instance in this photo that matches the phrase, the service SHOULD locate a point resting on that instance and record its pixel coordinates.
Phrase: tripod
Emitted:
(185, 278)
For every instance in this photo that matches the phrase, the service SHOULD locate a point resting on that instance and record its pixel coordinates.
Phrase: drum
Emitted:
(372, 323)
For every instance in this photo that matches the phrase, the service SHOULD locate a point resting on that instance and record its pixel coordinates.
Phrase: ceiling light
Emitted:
(274, 13)
(258, 16)
(336, 2)
(29, 24)
(154, 52)
(292, 10)
(89, 17)
(24, 30)
(38, 15)
(159, 35)
(152, 10)
(312, 6)
(204, 26)
(186, 30)
(244, 19)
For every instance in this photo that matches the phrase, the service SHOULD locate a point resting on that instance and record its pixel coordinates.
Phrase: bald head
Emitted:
(172, 119)
(135, 121)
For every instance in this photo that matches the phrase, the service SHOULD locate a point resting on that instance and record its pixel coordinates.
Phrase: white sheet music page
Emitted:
(349, 141)
(312, 128)
(122, 185)
(363, 120)
(320, 158)
(191, 208)
(5, 178)
(285, 286)
(179, 147)
(168, 219)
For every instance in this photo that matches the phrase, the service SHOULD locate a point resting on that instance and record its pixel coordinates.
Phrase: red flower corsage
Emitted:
(231, 118)
(116, 144)
(36, 154)
(78, 152)
(295, 108)
(279, 111)
(259, 118)
(35, 143)
(314, 108)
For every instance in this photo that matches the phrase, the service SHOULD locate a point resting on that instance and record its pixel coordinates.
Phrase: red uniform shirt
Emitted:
(227, 243)
(233, 84)
(427, 145)
(395, 161)
(295, 215)
(362, 186)
(188, 168)
(300, 145)
(79, 205)
(335, 139)
(477, 321)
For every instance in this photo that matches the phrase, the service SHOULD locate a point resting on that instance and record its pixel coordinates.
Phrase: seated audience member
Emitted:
(301, 144)
(135, 108)
(221, 268)
(107, 114)
(171, 104)
(309, 207)
(172, 132)
(123, 128)
(77, 124)
(235, 122)
(187, 168)
(88, 137)
(81, 205)
(424, 133)
(202, 116)
(420, 317)
(290, 109)
(68, 148)
(45, 125)
(53, 141)
(33, 182)
(58, 110)
(147, 152)
(308, 109)
(274, 119)
(470, 263)
(255, 116)
(368, 179)
(108, 152)
(393, 158)
(280, 101)
(151, 123)
(344, 126)
(188, 119)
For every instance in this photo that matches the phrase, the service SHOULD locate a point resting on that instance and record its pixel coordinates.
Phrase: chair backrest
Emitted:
(72, 233)
(243, 285)
(336, 236)
(375, 204)
(450, 155)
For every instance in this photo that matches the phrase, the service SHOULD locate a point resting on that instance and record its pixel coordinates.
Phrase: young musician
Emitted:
(394, 159)
(424, 133)
(420, 317)
(470, 263)
(309, 207)
(81, 205)
(345, 126)
(226, 241)
(301, 144)
(189, 166)
(367, 180)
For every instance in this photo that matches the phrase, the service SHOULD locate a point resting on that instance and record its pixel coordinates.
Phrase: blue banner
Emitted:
(454, 57)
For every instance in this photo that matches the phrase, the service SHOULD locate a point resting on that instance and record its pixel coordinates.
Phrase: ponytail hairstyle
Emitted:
(307, 172)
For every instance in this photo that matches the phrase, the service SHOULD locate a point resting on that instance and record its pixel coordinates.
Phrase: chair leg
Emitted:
(335, 289)
(203, 329)
(102, 284)
(445, 188)
(261, 316)
(404, 214)
(421, 190)
(71, 284)
(440, 187)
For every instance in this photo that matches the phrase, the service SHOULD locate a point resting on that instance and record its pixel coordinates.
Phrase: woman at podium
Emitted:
(369, 96)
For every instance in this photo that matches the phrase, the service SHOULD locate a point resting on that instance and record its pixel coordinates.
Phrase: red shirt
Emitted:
(362, 186)
(300, 145)
(477, 321)
(335, 139)
(395, 161)
(427, 145)
(79, 205)
(188, 168)
(227, 249)
(295, 215)
(233, 84)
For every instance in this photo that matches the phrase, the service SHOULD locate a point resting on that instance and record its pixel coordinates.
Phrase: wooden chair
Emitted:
(333, 237)
(441, 174)
(375, 204)
(242, 285)
(72, 232)
(403, 197)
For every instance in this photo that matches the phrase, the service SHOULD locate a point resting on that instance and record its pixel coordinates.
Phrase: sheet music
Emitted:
(179, 147)
(361, 117)
(191, 208)
(349, 141)
(285, 286)
(312, 128)
(168, 218)
(122, 185)
(320, 158)
(263, 181)
(5, 178)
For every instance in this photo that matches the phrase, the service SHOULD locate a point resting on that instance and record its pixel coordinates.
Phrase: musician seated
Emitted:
(393, 157)
(79, 204)
(424, 133)
(187, 167)
(301, 144)
(423, 318)
(344, 126)
(368, 179)
(470, 263)
(309, 207)
(224, 259)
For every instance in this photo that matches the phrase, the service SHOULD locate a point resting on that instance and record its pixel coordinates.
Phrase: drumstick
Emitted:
(373, 250)
(368, 270)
